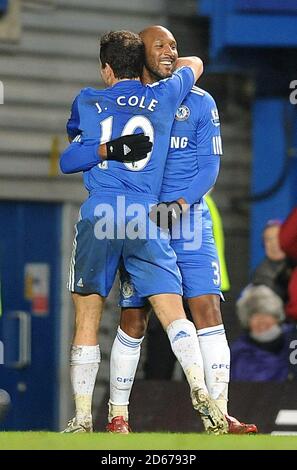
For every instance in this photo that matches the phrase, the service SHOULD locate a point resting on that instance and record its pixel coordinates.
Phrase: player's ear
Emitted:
(108, 69)
(108, 74)
(105, 73)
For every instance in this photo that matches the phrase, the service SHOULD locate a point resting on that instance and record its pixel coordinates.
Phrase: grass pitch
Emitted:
(144, 441)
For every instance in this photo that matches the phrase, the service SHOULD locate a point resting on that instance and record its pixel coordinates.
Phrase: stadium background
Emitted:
(48, 51)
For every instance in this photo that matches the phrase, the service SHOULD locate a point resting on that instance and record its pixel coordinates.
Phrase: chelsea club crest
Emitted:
(127, 289)
(182, 113)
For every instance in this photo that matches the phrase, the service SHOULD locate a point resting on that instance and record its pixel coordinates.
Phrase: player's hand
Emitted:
(165, 214)
(129, 148)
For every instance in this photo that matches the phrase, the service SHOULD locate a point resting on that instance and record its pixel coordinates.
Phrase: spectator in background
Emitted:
(288, 243)
(275, 270)
(262, 353)
(288, 235)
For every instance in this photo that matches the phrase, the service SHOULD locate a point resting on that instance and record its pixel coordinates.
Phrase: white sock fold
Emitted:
(184, 343)
(84, 354)
(84, 365)
(124, 359)
(216, 359)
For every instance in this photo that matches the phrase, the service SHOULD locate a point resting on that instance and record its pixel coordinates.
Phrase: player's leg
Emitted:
(134, 321)
(162, 285)
(182, 336)
(124, 360)
(84, 358)
(125, 353)
(184, 343)
(92, 271)
(198, 262)
(201, 283)
(158, 346)
(206, 314)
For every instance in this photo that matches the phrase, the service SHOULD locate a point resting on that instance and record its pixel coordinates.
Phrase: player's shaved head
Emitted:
(154, 30)
(160, 53)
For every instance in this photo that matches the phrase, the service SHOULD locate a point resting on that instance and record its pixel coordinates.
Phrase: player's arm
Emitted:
(82, 156)
(72, 126)
(209, 167)
(79, 157)
(195, 64)
(209, 150)
(172, 91)
(200, 185)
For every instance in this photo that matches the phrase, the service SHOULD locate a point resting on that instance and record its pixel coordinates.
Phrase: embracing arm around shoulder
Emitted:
(195, 63)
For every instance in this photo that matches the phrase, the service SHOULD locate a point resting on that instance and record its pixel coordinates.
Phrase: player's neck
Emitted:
(118, 80)
(147, 78)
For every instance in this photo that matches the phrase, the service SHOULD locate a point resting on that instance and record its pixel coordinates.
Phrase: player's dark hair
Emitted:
(124, 52)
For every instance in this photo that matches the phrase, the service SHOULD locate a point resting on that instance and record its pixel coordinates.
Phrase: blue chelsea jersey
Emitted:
(195, 134)
(125, 108)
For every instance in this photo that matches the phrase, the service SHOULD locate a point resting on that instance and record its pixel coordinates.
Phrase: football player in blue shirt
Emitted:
(191, 170)
(108, 230)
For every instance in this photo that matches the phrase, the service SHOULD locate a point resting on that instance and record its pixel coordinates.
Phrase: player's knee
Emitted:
(206, 311)
(214, 313)
(136, 330)
(134, 322)
(211, 316)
